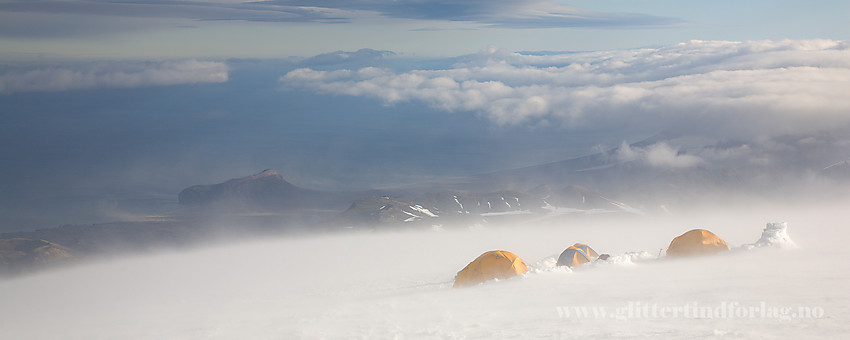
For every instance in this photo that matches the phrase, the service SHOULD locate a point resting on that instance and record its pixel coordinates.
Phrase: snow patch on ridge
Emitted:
(458, 202)
(623, 206)
(423, 210)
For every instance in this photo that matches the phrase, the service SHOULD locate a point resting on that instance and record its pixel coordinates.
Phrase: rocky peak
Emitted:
(265, 186)
(267, 173)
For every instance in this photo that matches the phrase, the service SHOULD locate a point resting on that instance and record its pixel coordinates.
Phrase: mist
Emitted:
(98, 142)
(105, 154)
(398, 284)
(216, 169)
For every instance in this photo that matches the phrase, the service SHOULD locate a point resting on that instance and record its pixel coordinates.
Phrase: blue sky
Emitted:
(275, 29)
(105, 104)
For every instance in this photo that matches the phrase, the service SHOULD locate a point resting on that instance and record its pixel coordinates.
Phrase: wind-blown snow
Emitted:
(774, 235)
(398, 285)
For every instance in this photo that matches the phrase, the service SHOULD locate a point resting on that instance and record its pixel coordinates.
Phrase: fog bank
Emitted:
(391, 284)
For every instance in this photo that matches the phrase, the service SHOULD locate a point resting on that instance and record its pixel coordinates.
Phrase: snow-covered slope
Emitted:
(460, 208)
(398, 285)
(383, 210)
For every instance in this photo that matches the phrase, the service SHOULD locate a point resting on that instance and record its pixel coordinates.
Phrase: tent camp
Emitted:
(496, 264)
(587, 250)
(695, 243)
(573, 256)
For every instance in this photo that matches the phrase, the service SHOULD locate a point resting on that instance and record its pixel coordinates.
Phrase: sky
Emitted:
(110, 108)
(82, 29)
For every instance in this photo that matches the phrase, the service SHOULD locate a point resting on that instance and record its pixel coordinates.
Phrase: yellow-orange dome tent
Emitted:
(573, 256)
(587, 250)
(696, 242)
(496, 264)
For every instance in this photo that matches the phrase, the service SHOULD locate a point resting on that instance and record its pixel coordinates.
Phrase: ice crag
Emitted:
(774, 235)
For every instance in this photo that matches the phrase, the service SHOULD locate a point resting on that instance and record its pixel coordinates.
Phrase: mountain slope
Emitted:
(627, 173)
(266, 191)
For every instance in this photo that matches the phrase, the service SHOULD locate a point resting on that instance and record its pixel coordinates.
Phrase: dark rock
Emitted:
(24, 252)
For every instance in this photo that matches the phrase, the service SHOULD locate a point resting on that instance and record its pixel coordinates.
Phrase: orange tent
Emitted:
(696, 242)
(573, 256)
(587, 250)
(496, 264)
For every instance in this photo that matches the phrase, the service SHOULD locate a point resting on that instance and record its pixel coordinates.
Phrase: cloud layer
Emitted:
(729, 86)
(86, 17)
(502, 13)
(657, 155)
(113, 75)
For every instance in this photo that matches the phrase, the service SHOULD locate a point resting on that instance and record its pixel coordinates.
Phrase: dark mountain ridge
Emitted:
(265, 203)
(266, 191)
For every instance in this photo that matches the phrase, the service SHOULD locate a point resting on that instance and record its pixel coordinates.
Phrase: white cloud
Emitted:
(113, 75)
(657, 155)
(757, 87)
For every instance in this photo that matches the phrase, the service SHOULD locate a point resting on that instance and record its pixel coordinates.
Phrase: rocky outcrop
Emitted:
(264, 188)
(384, 210)
(20, 252)
(465, 208)
(577, 197)
(266, 191)
(457, 202)
(114, 237)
